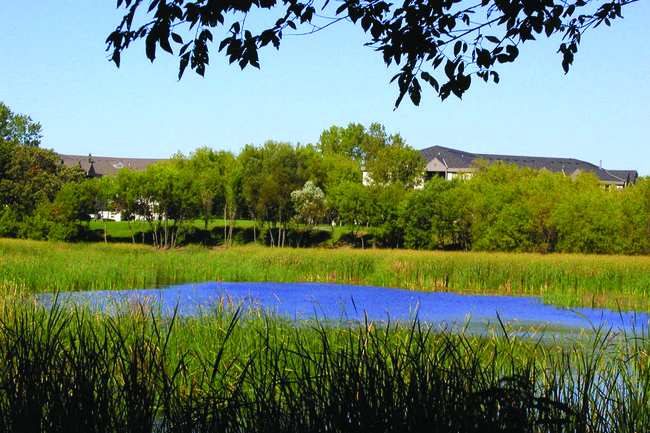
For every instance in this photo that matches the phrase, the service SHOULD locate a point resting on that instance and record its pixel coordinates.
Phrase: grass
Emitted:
(70, 370)
(119, 232)
(617, 282)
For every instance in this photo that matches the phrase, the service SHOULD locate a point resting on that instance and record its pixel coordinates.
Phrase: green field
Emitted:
(194, 232)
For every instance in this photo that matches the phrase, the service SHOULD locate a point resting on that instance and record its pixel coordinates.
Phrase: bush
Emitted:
(9, 223)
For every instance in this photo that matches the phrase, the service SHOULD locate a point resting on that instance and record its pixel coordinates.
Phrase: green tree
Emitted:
(428, 217)
(128, 198)
(442, 44)
(170, 191)
(344, 141)
(397, 163)
(386, 214)
(589, 219)
(352, 202)
(66, 217)
(269, 174)
(29, 176)
(636, 216)
(18, 129)
(357, 142)
(215, 175)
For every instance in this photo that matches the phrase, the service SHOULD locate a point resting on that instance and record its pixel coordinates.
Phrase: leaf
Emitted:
(185, 59)
(457, 47)
(150, 45)
(450, 68)
(291, 24)
(415, 92)
(493, 39)
(164, 44)
(116, 57)
(513, 51)
(177, 38)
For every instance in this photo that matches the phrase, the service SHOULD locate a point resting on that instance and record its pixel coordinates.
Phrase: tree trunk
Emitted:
(225, 234)
(232, 215)
(165, 227)
(105, 230)
(128, 221)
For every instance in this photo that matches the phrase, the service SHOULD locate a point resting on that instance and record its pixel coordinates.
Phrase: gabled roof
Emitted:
(629, 176)
(457, 160)
(98, 166)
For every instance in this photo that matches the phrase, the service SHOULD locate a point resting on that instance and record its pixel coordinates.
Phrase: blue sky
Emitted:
(55, 69)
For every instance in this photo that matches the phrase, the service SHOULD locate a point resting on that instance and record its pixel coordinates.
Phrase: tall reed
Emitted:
(616, 282)
(67, 369)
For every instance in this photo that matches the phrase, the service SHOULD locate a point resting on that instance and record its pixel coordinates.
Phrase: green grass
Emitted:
(617, 282)
(66, 370)
(119, 232)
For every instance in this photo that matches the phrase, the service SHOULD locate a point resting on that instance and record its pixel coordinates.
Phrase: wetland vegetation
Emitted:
(616, 282)
(71, 370)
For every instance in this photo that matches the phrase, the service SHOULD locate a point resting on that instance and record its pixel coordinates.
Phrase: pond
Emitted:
(354, 303)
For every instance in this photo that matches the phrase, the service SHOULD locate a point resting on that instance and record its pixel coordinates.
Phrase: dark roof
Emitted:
(457, 159)
(629, 176)
(97, 166)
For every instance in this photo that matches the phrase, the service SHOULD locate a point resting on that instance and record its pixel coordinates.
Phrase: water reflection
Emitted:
(336, 301)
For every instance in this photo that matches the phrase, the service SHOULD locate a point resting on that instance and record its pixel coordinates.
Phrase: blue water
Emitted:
(337, 301)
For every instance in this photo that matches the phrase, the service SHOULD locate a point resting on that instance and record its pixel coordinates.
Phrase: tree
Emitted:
(18, 128)
(128, 198)
(352, 202)
(30, 176)
(269, 174)
(442, 44)
(428, 217)
(309, 203)
(397, 163)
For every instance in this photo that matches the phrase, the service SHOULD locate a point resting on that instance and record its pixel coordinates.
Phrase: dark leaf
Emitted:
(116, 57)
(457, 47)
(513, 51)
(366, 21)
(415, 92)
(177, 38)
(450, 68)
(493, 39)
(150, 46)
(153, 5)
(185, 58)
(164, 44)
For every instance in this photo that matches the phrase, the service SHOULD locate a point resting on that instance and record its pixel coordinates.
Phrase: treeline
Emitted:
(504, 208)
(288, 190)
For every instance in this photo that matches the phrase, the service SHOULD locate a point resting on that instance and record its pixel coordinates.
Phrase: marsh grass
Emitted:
(616, 282)
(66, 369)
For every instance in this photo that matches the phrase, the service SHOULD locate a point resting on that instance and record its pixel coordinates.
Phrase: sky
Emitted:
(54, 67)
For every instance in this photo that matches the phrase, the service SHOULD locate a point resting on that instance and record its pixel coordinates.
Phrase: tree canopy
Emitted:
(440, 43)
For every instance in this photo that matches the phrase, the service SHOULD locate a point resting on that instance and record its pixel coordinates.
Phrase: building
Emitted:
(98, 166)
(448, 163)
